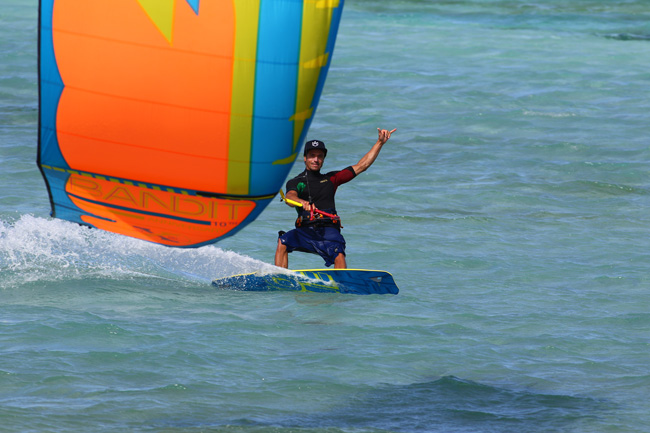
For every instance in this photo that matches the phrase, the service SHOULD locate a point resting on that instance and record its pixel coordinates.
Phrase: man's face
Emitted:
(314, 159)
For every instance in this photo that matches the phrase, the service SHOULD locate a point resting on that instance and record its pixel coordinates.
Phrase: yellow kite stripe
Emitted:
(316, 21)
(243, 88)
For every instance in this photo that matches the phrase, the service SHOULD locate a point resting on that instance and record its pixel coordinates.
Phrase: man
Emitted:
(320, 233)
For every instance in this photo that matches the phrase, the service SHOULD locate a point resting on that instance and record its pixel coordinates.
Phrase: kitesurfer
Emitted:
(310, 192)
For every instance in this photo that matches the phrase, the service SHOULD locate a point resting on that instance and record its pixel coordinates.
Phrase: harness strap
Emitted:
(318, 219)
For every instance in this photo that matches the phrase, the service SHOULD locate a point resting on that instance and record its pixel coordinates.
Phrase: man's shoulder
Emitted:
(294, 181)
(332, 173)
(346, 172)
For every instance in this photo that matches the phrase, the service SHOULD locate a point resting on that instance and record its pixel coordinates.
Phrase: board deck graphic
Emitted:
(352, 281)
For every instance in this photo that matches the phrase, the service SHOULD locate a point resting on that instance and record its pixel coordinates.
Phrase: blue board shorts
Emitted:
(327, 242)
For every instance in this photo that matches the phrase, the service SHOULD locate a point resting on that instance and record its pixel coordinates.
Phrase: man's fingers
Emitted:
(384, 134)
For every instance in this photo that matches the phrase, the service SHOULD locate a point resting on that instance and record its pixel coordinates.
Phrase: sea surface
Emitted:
(512, 206)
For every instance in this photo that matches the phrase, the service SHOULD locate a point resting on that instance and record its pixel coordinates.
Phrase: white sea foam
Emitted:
(39, 249)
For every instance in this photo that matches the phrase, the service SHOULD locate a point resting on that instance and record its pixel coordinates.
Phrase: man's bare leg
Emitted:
(281, 255)
(339, 262)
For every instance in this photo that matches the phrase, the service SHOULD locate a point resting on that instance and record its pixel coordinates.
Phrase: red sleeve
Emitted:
(343, 176)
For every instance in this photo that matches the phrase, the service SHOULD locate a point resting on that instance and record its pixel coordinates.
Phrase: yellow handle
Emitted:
(288, 200)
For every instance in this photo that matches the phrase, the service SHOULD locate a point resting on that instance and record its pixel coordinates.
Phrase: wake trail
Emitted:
(36, 249)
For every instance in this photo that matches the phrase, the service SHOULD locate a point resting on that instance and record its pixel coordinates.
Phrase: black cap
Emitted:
(314, 144)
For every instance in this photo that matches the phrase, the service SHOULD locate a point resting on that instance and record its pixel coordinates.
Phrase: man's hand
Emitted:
(293, 200)
(384, 134)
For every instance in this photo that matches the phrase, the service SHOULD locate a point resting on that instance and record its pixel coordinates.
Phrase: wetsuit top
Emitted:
(321, 187)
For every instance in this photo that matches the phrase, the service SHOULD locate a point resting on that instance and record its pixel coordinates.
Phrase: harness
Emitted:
(318, 218)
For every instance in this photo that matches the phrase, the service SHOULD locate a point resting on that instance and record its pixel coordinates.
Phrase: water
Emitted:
(510, 205)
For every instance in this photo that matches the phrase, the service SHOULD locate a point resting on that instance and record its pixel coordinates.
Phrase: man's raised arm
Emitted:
(372, 154)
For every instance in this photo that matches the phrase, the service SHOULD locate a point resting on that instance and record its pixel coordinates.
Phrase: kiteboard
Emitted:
(351, 281)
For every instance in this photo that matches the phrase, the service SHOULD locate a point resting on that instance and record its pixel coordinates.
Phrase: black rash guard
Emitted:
(320, 187)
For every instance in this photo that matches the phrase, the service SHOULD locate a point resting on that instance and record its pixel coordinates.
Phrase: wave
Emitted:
(34, 249)
(628, 37)
(449, 404)
(454, 404)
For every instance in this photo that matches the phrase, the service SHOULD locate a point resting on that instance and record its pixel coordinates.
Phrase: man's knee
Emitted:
(340, 262)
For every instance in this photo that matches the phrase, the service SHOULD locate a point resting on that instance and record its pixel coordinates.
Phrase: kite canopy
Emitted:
(176, 121)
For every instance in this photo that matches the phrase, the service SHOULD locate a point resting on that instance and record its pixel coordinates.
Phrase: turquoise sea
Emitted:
(511, 205)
